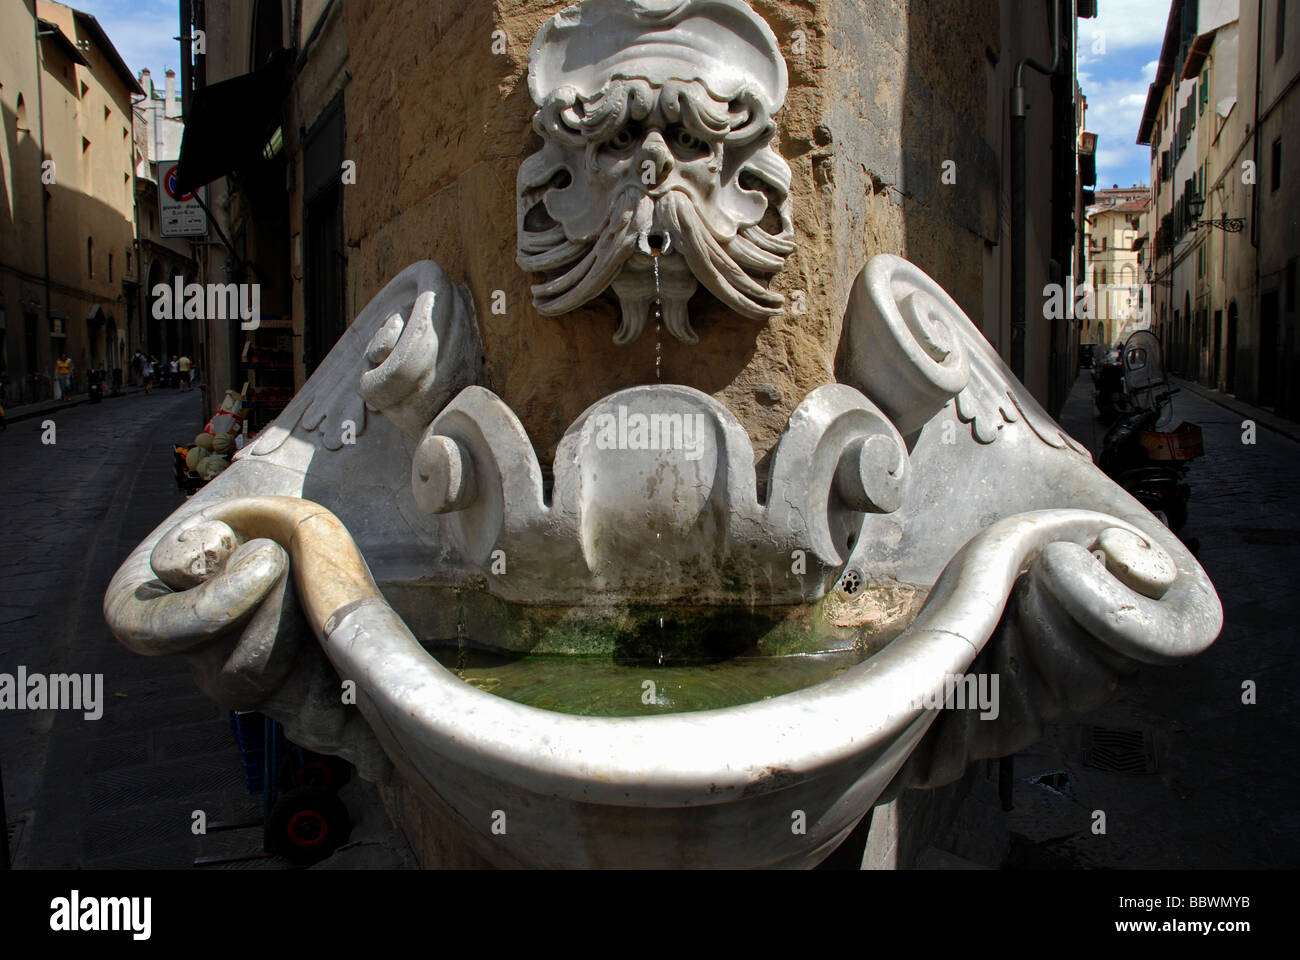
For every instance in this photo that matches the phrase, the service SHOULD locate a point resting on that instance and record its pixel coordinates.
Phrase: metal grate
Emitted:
(1119, 751)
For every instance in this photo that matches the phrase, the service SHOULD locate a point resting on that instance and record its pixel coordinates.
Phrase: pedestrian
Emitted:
(63, 370)
(183, 365)
(173, 376)
(147, 372)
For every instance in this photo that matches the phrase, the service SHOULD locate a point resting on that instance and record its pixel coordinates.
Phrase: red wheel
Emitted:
(306, 825)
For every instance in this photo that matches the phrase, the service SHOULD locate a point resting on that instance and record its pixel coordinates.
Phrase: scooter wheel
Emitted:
(307, 825)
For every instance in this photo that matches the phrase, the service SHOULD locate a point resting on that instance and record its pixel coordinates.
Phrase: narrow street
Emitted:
(118, 791)
(1216, 788)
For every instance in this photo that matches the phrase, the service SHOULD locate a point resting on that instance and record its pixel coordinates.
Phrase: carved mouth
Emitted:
(654, 244)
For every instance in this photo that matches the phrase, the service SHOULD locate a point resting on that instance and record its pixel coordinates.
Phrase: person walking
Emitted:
(147, 372)
(63, 370)
(173, 376)
(183, 365)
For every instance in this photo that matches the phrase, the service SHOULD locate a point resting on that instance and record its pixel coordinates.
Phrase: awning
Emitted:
(48, 28)
(1196, 56)
(231, 121)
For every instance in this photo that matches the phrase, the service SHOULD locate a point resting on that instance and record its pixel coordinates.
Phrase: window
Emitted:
(1205, 90)
(84, 89)
(1277, 165)
(22, 113)
(107, 113)
(1279, 31)
(90, 256)
(85, 146)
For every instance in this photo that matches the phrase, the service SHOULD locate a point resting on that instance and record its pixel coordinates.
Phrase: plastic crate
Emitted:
(249, 729)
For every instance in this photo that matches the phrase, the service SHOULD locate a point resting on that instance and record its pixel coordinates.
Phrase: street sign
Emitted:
(179, 215)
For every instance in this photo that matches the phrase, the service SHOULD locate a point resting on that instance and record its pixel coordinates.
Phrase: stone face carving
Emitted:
(657, 125)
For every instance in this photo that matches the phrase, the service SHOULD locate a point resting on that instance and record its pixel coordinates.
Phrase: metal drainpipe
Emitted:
(1018, 214)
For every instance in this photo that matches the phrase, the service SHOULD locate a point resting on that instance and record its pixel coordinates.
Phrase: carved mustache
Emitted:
(724, 267)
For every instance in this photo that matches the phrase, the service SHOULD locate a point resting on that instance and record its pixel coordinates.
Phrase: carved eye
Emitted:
(621, 140)
(683, 139)
(685, 144)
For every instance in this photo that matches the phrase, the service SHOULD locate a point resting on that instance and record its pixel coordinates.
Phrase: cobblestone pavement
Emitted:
(117, 792)
(1223, 790)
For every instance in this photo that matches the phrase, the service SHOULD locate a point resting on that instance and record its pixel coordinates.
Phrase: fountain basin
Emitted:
(975, 535)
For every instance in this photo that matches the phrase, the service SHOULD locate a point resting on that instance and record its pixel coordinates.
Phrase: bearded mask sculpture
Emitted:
(657, 171)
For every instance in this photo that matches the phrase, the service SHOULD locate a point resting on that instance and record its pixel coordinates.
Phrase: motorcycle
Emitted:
(1108, 384)
(1146, 460)
(95, 385)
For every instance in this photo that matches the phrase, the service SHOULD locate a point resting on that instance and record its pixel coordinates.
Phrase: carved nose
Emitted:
(655, 149)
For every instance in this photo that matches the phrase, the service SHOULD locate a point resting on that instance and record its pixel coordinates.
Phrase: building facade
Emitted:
(1226, 225)
(162, 259)
(1116, 227)
(67, 256)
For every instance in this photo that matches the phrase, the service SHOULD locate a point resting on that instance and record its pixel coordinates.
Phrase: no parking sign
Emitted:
(179, 214)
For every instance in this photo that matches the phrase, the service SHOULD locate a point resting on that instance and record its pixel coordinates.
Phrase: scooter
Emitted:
(1158, 485)
(95, 385)
(1148, 462)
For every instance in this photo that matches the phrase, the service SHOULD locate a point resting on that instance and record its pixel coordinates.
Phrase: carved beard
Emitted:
(728, 228)
(635, 222)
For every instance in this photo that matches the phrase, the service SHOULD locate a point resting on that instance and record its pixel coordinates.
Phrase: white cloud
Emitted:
(1123, 24)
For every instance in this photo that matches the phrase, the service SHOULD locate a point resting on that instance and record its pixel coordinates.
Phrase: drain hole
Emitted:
(851, 581)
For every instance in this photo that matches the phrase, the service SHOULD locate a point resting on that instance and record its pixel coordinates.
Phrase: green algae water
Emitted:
(634, 660)
(601, 687)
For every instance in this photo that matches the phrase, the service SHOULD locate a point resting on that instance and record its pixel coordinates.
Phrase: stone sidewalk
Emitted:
(117, 792)
(1220, 791)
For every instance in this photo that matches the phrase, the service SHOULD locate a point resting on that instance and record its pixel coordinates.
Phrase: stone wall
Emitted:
(881, 93)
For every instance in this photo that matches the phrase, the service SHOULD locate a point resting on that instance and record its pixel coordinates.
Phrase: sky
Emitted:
(1117, 56)
(142, 31)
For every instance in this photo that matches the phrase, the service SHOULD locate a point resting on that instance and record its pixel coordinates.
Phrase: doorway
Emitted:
(1230, 364)
(1268, 348)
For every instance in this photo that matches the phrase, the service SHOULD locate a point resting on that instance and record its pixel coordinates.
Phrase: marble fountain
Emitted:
(642, 650)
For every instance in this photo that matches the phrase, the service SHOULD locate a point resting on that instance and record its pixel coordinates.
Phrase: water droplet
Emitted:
(658, 316)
